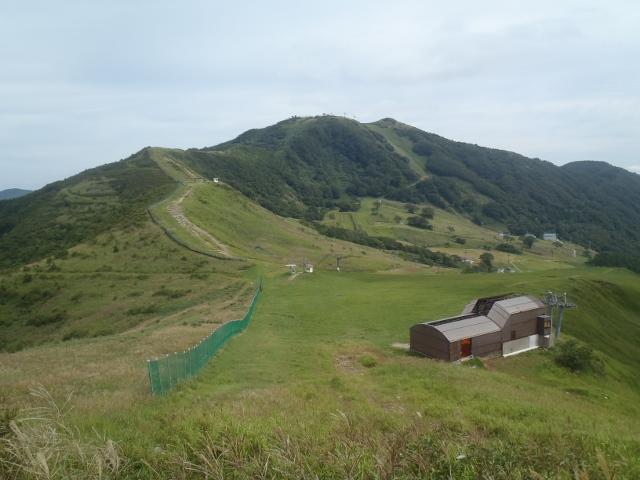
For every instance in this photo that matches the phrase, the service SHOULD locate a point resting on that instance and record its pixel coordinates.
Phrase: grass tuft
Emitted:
(40, 444)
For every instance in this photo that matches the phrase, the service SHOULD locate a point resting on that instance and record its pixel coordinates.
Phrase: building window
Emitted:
(513, 334)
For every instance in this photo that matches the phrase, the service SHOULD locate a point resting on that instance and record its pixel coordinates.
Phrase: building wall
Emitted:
(454, 351)
(428, 341)
(521, 325)
(487, 344)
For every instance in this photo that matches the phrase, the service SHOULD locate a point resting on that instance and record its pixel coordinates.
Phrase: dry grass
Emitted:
(41, 445)
(111, 372)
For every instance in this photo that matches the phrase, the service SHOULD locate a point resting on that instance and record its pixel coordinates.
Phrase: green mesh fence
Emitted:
(166, 372)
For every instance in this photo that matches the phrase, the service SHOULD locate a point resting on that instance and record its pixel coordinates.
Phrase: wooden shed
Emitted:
(487, 326)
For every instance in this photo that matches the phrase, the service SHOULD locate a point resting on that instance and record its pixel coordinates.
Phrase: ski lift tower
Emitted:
(559, 304)
(292, 268)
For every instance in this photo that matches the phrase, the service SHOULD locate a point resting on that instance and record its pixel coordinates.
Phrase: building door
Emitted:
(465, 347)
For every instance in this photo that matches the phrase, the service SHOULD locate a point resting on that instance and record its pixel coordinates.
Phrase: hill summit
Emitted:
(13, 193)
(305, 166)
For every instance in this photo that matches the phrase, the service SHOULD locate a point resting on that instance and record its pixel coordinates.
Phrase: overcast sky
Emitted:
(85, 83)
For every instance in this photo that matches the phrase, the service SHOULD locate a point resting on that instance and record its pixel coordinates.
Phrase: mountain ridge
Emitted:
(9, 193)
(305, 166)
(489, 185)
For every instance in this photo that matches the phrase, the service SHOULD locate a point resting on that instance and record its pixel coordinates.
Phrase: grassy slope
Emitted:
(298, 374)
(66, 213)
(257, 234)
(384, 222)
(125, 297)
(294, 388)
(403, 146)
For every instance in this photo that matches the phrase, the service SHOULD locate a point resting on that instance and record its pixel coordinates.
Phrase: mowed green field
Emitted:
(388, 218)
(315, 387)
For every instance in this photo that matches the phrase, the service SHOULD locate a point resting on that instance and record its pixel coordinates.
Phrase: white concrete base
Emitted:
(520, 345)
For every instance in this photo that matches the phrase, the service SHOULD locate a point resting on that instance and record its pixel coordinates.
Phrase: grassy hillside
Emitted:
(320, 384)
(306, 167)
(110, 285)
(314, 387)
(452, 234)
(71, 211)
(586, 202)
(302, 165)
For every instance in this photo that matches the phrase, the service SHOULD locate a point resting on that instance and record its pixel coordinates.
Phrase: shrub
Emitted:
(74, 334)
(460, 240)
(411, 207)
(348, 205)
(35, 296)
(142, 310)
(578, 357)
(168, 293)
(427, 212)
(508, 248)
(368, 361)
(486, 261)
(47, 319)
(528, 241)
(419, 222)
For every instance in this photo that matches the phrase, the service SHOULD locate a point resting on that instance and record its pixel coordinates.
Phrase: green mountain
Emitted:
(13, 193)
(68, 212)
(144, 257)
(305, 167)
(302, 167)
(581, 201)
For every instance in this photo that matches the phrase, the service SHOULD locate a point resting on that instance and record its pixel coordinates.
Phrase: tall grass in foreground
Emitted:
(420, 450)
(39, 444)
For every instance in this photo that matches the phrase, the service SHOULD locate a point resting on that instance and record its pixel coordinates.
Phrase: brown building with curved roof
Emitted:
(500, 325)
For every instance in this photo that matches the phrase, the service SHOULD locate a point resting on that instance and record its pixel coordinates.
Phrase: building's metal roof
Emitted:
(520, 304)
(469, 324)
(465, 327)
(503, 309)
(482, 306)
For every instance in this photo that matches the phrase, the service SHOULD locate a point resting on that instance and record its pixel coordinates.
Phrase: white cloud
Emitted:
(87, 83)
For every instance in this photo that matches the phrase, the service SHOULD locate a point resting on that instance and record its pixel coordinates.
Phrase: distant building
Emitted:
(552, 237)
(308, 268)
(487, 326)
(216, 180)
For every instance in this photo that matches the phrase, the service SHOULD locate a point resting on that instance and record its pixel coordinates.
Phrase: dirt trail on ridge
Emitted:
(176, 211)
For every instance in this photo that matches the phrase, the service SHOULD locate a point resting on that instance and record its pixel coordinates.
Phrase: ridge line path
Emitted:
(175, 210)
(174, 207)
